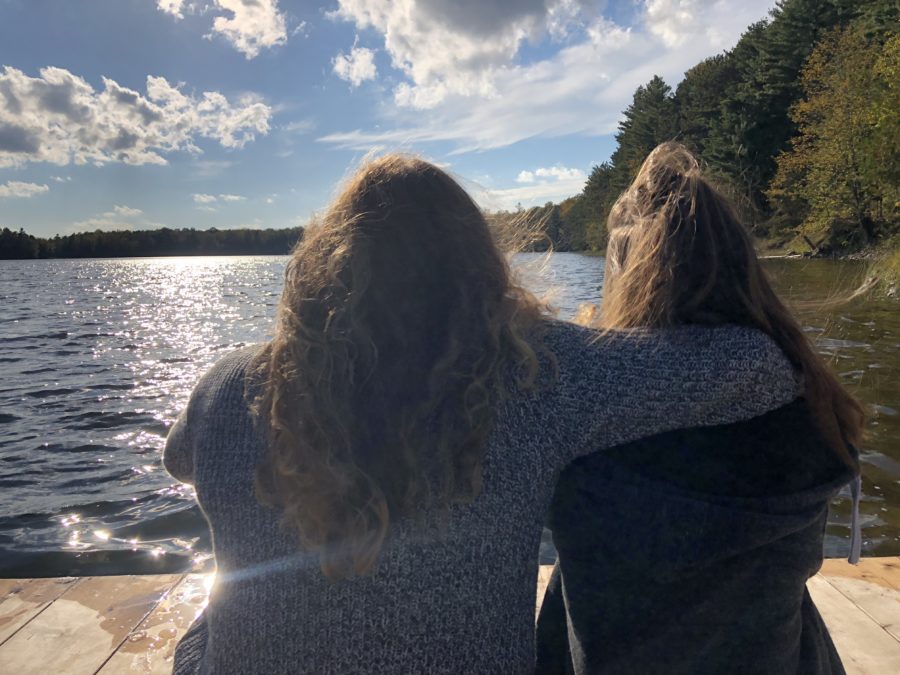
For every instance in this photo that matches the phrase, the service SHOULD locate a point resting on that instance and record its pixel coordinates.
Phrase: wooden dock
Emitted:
(131, 624)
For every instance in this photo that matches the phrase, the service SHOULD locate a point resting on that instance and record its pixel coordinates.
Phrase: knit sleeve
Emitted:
(623, 386)
(219, 395)
(178, 456)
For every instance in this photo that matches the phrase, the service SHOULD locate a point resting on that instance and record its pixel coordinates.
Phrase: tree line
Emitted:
(161, 242)
(797, 124)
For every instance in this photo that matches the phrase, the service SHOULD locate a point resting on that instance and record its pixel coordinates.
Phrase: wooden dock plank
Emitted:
(880, 603)
(24, 599)
(882, 571)
(865, 647)
(85, 626)
(150, 648)
(132, 624)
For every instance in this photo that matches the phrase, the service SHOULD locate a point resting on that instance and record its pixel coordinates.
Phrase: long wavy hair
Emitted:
(678, 254)
(399, 329)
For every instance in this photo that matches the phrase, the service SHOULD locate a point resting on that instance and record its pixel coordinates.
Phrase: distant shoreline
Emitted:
(161, 243)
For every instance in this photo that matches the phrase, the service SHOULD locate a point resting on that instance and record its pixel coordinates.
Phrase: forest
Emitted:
(797, 124)
(162, 242)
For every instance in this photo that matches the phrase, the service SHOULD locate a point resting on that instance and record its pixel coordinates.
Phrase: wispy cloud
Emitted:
(206, 200)
(119, 218)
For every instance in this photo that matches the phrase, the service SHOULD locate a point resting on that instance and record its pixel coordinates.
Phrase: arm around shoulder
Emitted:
(645, 382)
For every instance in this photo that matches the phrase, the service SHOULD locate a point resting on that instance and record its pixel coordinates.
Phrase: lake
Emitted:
(97, 358)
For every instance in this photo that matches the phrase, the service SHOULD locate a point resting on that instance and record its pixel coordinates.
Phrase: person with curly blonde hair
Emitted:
(376, 476)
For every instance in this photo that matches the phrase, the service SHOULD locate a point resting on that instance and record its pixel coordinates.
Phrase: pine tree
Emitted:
(650, 119)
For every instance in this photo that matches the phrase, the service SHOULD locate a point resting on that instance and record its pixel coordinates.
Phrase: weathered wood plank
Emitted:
(882, 571)
(82, 629)
(150, 648)
(132, 624)
(865, 647)
(881, 603)
(24, 599)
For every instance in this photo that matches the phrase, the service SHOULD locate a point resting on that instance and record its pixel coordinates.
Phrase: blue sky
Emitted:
(248, 113)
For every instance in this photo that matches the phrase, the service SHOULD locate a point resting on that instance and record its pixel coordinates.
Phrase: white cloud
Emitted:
(677, 21)
(355, 67)
(59, 118)
(253, 25)
(120, 218)
(525, 177)
(61, 179)
(560, 173)
(126, 211)
(541, 185)
(200, 198)
(464, 81)
(172, 7)
(17, 189)
(447, 48)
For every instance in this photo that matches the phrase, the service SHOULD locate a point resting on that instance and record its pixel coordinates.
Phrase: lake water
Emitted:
(97, 357)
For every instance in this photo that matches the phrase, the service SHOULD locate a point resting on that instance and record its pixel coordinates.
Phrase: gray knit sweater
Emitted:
(460, 598)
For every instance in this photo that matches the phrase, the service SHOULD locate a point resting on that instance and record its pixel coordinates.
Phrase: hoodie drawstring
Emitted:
(855, 530)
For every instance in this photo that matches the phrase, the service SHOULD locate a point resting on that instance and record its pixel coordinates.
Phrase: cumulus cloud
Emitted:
(59, 118)
(447, 48)
(253, 25)
(172, 7)
(465, 81)
(355, 67)
(17, 189)
(119, 218)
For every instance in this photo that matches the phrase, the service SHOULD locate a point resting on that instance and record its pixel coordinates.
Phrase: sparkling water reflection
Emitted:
(97, 357)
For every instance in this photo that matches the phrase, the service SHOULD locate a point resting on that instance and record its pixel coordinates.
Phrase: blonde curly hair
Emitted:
(398, 331)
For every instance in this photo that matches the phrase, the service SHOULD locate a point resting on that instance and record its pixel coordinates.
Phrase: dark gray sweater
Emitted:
(689, 552)
(458, 599)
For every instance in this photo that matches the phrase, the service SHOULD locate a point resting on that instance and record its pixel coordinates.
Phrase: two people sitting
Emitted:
(377, 476)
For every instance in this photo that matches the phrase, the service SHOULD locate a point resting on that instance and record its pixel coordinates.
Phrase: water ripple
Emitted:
(93, 373)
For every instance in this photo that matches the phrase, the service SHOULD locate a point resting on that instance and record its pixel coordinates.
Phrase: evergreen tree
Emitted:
(598, 197)
(699, 98)
(650, 119)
